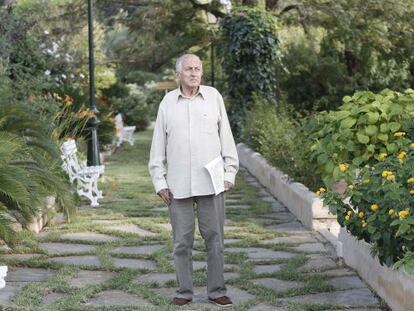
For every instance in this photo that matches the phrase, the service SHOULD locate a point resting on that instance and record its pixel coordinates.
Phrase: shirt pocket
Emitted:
(209, 124)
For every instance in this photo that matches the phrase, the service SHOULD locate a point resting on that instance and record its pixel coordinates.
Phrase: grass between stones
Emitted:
(130, 199)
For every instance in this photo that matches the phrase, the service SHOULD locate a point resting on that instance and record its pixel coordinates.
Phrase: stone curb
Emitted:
(302, 202)
(396, 287)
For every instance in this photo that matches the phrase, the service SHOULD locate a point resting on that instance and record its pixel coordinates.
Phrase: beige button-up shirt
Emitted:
(188, 134)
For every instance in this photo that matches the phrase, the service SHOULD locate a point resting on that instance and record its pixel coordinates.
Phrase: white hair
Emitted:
(180, 61)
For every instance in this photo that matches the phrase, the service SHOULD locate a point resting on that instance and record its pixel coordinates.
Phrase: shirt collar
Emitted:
(201, 91)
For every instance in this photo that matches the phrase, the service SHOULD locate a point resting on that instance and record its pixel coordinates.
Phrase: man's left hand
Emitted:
(227, 186)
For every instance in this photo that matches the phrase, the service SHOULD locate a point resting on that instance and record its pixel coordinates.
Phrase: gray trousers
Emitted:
(211, 216)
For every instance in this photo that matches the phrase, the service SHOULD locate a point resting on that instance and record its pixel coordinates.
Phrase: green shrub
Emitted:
(379, 205)
(363, 127)
(29, 167)
(279, 138)
(134, 110)
(248, 45)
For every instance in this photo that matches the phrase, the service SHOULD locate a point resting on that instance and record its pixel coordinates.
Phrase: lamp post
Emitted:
(93, 146)
(212, 20)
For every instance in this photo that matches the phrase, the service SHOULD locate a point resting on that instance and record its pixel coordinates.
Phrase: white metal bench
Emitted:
(85, 177)
(3, 274)
(123, 133)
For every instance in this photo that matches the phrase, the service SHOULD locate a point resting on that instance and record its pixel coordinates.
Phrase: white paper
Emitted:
(216, 170)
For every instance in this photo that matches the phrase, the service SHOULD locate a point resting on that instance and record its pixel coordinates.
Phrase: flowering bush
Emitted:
(353, 136)
(377, 204)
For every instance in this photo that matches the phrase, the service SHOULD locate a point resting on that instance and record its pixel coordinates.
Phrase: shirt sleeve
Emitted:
(157, 162)
(228, 147)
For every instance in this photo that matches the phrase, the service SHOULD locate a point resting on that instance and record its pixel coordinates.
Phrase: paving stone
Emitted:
(318, 263)
(360, 297)
(85, 278)
(292, 239)
(278, 207)
(263, 307)
(346, 282)
(134, 263)
(131, 228)
(137, 250)
(231, 241)
(282, 216)
(261, 253)
(89, 237)
(19, 256)
(7, 293)
(338, 272)
(52, 297)
(105, 221)
(277, 285)
(28, 274)
(263, 221)
(160, 278)
(167, 227)
(200, 296)
(310, 248)
(234, 197)
(78, 260)
(42, 234)
(267, 268)
(241, 206)
(160, 209)
(292, 227)
(66, 248)
(269, 199)
(117, 298)
(232, 201)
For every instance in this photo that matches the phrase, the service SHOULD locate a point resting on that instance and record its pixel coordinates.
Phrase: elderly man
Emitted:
(193, 161)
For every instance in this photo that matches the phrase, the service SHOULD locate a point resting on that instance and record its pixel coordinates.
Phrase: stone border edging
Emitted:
(302, 202)
(396, 287)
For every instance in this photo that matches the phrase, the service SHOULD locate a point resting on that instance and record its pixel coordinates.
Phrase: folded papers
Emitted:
(216, 170)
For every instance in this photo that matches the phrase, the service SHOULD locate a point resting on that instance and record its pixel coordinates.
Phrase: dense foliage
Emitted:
(248, 45)
(366, 125)
(378, 208)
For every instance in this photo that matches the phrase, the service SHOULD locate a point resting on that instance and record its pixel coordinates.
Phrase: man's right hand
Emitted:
(165, 195)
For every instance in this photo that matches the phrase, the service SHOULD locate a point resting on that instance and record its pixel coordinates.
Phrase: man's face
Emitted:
(191, 72)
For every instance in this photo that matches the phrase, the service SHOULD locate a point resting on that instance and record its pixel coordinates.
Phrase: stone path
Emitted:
(119, 257)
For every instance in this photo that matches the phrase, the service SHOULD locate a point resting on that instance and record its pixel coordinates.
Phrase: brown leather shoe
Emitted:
(223, 301)
(180, 301)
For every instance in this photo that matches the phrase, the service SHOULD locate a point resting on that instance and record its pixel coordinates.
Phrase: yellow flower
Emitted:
(402, 155)
(382, 155)
(347, 217)
(384, 174)
(365, 181)
(364, 224)
(361, 214)
(403, 214)
(391, 177)
(321, 189)
(391, 212)
(410, 180)
(388, 175)
(318, 192)
(399, 134)
(412, 145)
(351, 187)
(349, 213)
(343, 167)
(374, 207)
(411, 191)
